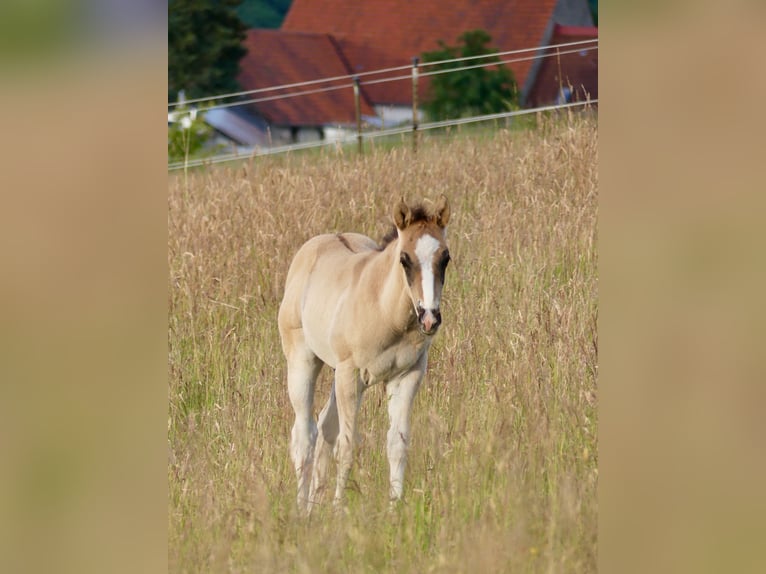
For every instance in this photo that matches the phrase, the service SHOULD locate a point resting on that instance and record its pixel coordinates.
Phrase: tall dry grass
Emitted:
(502, 472)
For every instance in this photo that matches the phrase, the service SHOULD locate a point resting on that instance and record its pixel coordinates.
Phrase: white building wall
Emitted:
(306, 135)
(393, 116)
(337, 134)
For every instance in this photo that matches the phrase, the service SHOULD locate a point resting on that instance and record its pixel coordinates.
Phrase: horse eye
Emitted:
(445, 259)
(404, 259)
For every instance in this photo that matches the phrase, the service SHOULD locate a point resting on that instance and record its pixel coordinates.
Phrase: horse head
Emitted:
(423, 256)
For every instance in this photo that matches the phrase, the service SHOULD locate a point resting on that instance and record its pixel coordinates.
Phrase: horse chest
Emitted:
(392, 361)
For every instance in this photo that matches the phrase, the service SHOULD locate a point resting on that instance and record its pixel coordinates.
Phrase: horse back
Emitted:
(329, 254)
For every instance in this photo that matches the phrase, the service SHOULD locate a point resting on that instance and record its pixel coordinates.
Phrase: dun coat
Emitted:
(369, 312)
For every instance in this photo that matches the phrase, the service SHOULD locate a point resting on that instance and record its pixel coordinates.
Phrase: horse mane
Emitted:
(418, 212)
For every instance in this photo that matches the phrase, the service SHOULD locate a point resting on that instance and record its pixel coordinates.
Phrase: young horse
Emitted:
(370, 312)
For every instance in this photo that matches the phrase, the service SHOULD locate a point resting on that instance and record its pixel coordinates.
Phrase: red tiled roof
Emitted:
(387, 33)
(577, 70)
(277, 57)
(576, 31)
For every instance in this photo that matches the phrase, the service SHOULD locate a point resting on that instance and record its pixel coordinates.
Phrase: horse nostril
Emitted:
(429, 319)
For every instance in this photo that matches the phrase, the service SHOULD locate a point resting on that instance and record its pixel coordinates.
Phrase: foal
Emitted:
(370, 312)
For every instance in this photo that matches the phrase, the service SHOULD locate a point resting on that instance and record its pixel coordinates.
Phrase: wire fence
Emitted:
(351, 137)
(475, 66)
(543, 52)
(553, 50)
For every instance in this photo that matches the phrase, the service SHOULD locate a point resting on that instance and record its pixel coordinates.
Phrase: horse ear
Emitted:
(442, 211)
(402, 214)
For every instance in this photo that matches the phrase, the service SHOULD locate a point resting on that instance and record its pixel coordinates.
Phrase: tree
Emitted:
(263, 13)
(469, 92)
(204, 47)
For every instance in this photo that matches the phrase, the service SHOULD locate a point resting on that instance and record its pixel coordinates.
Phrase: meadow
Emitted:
(503, 466)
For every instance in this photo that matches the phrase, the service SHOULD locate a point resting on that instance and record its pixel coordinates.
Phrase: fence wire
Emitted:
(540, 49)
(553, 50)
(352, 137)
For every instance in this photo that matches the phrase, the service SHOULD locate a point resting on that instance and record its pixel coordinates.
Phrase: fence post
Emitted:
(358, 107)
(415, 60)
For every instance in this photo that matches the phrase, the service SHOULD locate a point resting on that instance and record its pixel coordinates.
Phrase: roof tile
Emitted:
(387, 33)
(277, 57)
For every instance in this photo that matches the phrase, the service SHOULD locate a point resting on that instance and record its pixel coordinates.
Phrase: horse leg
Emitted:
(302, 370)
(328, 433)
(401, 394)
(348, 395)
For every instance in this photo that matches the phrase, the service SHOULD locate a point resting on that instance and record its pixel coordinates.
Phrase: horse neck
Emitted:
(394, 295)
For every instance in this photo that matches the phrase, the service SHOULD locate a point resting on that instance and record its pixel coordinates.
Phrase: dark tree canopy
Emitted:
(263, 13)
(476, 91)
(204, 47)
(593, 5)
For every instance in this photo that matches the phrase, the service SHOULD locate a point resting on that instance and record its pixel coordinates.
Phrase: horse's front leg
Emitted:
(348, 397)
(401, 394)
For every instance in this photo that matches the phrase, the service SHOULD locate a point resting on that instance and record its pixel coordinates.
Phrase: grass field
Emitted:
(503, 467)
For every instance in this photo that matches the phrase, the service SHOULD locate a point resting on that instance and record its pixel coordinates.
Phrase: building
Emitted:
(337, 38)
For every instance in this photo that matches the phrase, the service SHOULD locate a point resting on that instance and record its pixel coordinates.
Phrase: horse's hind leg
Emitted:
(302, 370)
(326, 437)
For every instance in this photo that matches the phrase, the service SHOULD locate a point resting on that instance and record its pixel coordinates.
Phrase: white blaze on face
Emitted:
(425, 249)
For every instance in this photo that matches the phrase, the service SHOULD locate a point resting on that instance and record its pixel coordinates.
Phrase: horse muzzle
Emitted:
(429, 320)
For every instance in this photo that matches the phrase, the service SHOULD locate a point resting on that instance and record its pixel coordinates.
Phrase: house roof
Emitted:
(389, 33)
(576, 70)
(239, 126)
(277, 57)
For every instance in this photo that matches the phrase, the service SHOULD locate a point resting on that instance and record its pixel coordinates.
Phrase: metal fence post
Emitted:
(415, 60)
(358, 113)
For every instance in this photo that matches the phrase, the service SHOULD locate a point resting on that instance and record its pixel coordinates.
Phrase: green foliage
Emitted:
(187, 141)
(469, 92)
(204, 47)
(263, 13)
(593, 5)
